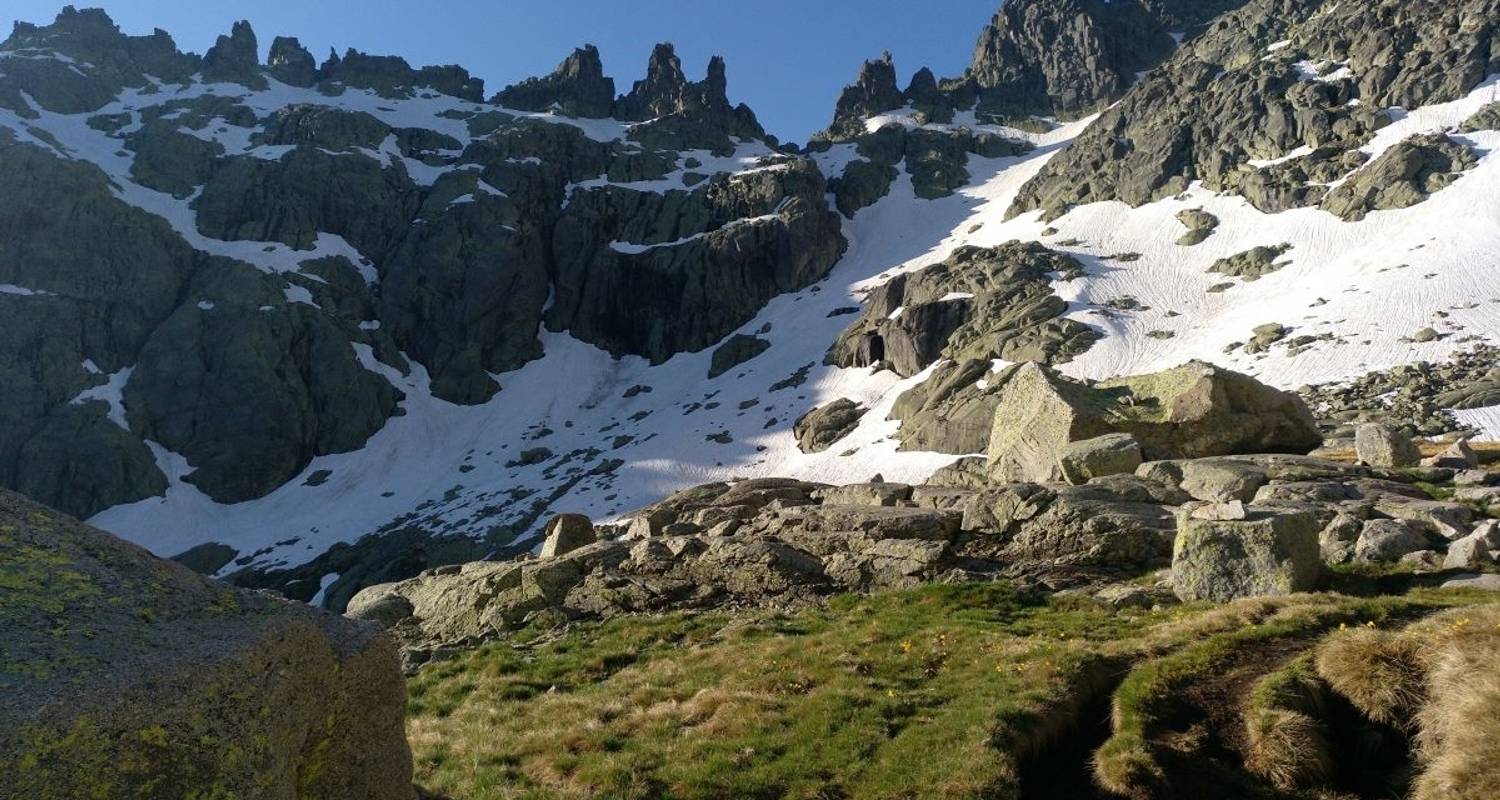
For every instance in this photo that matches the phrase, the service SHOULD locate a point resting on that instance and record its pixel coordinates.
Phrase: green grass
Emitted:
(939, 688)
(941, 691)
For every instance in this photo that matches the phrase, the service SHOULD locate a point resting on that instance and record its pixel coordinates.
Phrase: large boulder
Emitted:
(1110, 454)
(822, 427)
(1379, 446)
(1221, 480)
(1389, 539)
(1270, 552)
(566, 533)
(128, 676)
(1193, 411)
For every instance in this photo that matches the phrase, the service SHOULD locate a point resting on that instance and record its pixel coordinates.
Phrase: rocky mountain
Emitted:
(1116, 416)
(323, 324)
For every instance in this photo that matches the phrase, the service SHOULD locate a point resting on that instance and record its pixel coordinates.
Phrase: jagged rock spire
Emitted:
(291, 63)
(235, 58)
(578, 87)
(666, 91)
(873, 92)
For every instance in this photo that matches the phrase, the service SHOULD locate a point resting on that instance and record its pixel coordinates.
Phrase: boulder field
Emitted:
(1098, 484)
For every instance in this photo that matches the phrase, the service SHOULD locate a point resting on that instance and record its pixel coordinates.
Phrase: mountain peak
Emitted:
(235, 58)
(578, 87)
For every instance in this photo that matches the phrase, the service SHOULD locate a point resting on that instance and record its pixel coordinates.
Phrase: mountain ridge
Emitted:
(608, 229)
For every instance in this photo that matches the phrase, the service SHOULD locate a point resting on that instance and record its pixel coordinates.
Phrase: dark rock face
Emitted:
(978, 304)
(249, 375)
(1402, 176)
(1223, 100)
(291, 63)
(577, 87)
(98, 308)
(666, 92)
(392, 76)
(822, 427)
(235, 58)
(1066, 57)
(874, 92)
(129, 676)
(275, 388)
(698, 265)
(735, 351)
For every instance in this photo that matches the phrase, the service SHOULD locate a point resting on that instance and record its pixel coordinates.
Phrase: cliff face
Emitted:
(128, 676)
(291, 234)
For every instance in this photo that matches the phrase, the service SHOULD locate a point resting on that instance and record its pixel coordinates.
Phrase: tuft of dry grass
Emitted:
(1458, 740)
(1286, 744)
(1380, 672)
(1127, 764)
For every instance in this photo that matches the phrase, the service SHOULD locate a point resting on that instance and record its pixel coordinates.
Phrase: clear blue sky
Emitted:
(787, 58)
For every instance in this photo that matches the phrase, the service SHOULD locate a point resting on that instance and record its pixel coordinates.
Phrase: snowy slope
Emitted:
(458, 469)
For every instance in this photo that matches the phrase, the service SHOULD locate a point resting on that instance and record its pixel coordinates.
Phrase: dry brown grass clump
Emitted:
(1285, 741)
(1458, 742)
(1380, 672)
(1439, 678)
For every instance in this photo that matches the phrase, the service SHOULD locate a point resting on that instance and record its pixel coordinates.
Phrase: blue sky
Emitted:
(787, 58)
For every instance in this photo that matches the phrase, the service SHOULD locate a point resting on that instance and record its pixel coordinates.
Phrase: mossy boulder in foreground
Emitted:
(1270, 552)
(128, 676)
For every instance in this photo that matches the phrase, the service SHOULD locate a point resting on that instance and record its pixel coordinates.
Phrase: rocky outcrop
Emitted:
(773, 542)
(104, 61)
(235, 58)
(933, 152)
(1200, 225)
(1267, 526)
(1253, 264)
(291, 63)
(1485, 119)
(654, 275)
(1403, 176)
(128, 676)
(873, 92)
(936, 159)
(577, 88)
(1414, 396)
(1066, 58)
(822, 427)
(666, 92)
(1224, 100)
(735, 351)
(392, 76)
(1192, 411)
(978, 304)
(952, 411)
